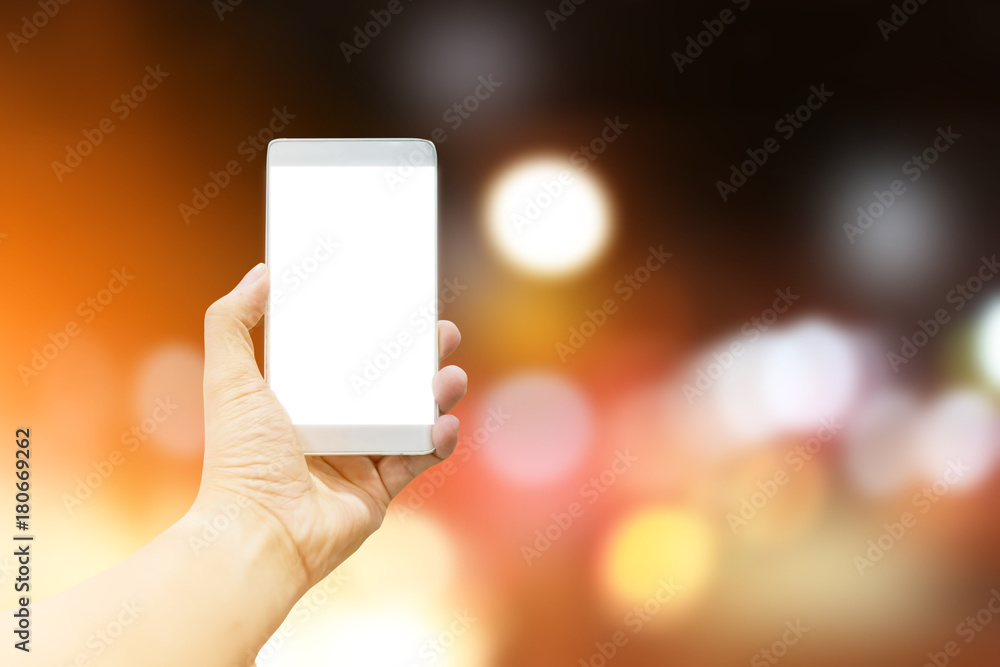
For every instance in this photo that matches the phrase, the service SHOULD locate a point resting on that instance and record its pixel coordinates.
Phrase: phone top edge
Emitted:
(282, 140)
(351, 151)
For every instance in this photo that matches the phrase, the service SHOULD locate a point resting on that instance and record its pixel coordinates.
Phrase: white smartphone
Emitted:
(351, 339)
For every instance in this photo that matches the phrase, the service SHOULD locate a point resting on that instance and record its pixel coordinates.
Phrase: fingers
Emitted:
(398, 471)
(444, 435)
(451, 382)
(448, 339)
(228, 347)
(449, 386)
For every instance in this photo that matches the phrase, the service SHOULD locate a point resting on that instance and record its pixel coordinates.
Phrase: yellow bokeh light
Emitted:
(658, 546)
(548, 217)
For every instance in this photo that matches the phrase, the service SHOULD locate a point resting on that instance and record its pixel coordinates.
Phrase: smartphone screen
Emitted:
(352, 314)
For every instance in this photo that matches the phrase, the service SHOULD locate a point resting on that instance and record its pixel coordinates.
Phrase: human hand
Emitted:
(321, 507)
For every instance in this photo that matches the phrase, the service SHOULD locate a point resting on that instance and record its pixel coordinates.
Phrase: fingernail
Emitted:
(253, 275)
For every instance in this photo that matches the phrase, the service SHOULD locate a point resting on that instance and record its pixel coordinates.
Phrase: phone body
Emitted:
(350, 340)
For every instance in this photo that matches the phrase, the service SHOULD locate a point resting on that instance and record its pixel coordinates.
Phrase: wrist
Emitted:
(249, 544)
(238, 523)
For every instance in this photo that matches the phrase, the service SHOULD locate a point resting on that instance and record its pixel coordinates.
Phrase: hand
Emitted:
(322, 507)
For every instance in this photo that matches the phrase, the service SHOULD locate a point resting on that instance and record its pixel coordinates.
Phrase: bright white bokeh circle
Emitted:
(812, 374)
(988, 343)
(547, 216)
(958, 432)
(793, 379)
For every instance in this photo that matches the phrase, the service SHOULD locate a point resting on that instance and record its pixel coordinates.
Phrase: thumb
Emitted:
(229, 356)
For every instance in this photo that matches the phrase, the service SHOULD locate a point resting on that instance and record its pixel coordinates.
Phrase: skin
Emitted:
(268, 522)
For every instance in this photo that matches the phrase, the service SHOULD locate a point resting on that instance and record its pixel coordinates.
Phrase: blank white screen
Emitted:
(351, 335)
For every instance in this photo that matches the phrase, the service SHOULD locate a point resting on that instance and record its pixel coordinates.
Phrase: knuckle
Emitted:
(217, 311)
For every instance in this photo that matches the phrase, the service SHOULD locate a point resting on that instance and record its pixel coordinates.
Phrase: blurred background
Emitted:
(724, 273)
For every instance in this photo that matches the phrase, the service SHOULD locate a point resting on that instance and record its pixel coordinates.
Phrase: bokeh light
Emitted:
(547, 216)
(880, 446)
(546, 431)
(659, 545)
(960, 428)
(883, 247)
(791, 378)
(987, 343)
(811, 372)
(169, 409)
